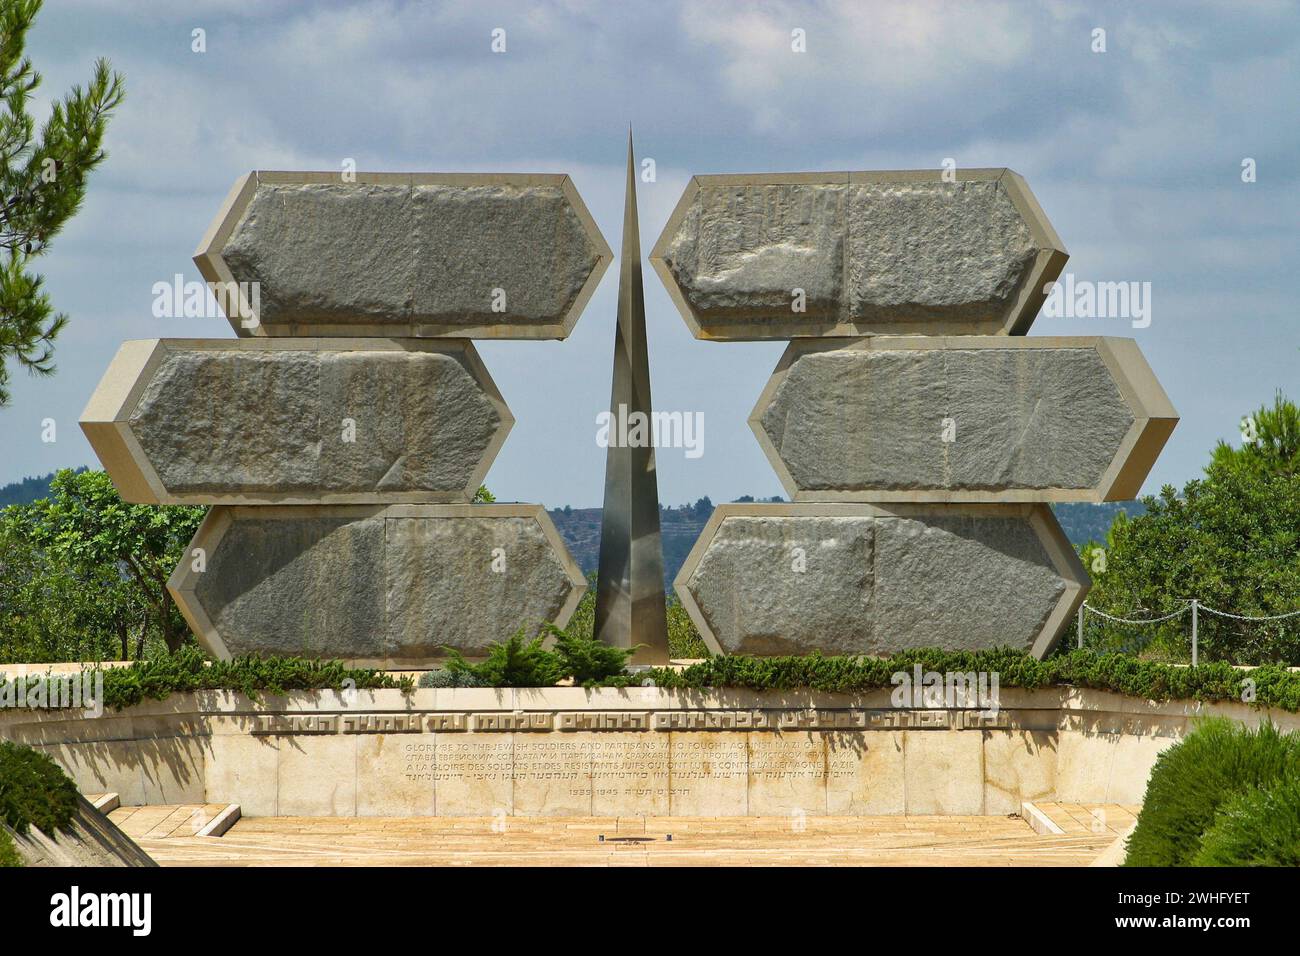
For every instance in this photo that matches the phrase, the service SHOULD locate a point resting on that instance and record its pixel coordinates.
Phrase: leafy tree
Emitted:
(51, 610)
(483, 496)
(42, 184)
(1230, 539)
(1270, 442)
(129, 551)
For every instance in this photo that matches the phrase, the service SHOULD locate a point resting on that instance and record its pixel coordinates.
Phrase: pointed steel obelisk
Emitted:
(630, 590)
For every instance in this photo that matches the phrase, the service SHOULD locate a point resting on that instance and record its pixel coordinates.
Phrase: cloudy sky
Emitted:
(1135, 154)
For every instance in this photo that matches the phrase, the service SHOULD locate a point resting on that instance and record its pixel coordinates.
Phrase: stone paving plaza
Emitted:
(165, 833)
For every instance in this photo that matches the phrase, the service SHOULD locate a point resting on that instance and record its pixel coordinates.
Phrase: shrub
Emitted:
(684, 641)
(518, 662)
(8, 852)
(587, 660)
(446, 678)
(1256, 828)
(1219, 760)
(34, 791)
(190, 670)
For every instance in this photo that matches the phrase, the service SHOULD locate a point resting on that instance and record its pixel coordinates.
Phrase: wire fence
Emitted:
(1170, 636)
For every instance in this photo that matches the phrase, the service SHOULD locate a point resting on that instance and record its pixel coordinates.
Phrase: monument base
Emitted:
(634, 752)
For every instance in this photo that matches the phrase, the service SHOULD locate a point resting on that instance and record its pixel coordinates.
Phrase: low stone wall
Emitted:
(570, 751)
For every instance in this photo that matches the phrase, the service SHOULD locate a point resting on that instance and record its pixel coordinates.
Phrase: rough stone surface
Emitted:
(378, 586)
(270, 422)
(868, 420)
(873, 585)
(440, 588)
(391, 254)
(922, 255)
(742, 249)
(934, 251)
(312, 586)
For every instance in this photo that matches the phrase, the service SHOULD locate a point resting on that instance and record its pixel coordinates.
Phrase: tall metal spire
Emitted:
(630, 590)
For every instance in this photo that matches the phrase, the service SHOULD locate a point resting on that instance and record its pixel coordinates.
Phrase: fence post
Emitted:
(1195, 604)
(1080, 627)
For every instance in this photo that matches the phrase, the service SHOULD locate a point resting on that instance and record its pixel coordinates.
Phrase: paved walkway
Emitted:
(166, 834)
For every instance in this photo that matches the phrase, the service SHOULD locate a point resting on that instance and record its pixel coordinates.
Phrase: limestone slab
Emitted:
(404, 254)
(317, 776)
(709, 774)
(1019, 765)
(474, 775)
(943, 773)
(978, 418)
(552, 774)
(1083, 765)
(244, 770)
(864, 774)
(305, 421)
(379, 586)
(897, 251)
(395, 775)
(787, 774)
(878, 579)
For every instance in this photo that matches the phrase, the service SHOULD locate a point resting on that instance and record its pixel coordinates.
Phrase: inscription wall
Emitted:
(723, 762)
(646, 720)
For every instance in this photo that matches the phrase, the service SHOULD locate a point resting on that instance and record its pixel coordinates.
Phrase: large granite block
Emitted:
(304, 421)
(981, 418)
(872, 252)
(405, 254)
(867, 579)
(379, 586)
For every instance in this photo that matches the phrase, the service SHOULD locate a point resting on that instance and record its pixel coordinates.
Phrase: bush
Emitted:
(446, 678)
(587, 660)
(1256, 828)
(1191, 780)
(8, 852)
(684, 641)
(190, 670)
(520, 662)
(34, 791)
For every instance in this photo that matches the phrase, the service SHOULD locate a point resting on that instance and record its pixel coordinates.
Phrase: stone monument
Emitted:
(342, 436)
(918, 434)
(630, 609)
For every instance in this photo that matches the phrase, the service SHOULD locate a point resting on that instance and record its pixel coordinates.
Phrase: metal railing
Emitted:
(1192, 605)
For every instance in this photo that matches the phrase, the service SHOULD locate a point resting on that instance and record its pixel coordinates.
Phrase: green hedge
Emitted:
(8, 852)
(34, 791)
(1273, 686)
(1256, 828)
(513, 661)
(190, 670)
(1217, 766)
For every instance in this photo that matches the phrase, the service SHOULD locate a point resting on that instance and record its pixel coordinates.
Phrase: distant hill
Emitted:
(27, 490)
(1083, 522)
